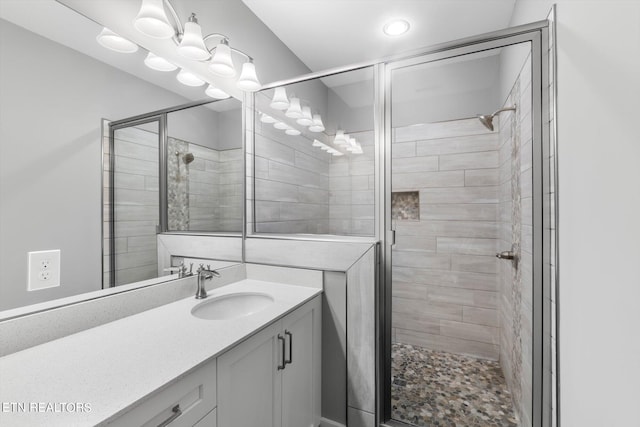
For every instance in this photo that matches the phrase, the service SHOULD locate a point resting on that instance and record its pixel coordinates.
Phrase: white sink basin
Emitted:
(232, 306)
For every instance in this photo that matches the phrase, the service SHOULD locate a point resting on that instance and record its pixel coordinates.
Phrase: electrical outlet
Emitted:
(44, 269)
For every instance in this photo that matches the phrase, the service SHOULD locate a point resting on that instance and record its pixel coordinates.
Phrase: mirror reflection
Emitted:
(56, 103)
(314, 157)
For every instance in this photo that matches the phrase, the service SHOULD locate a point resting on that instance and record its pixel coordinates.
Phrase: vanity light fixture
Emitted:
(265, 118)
(340, 138)
(216, 92)
(280, 100)
(326, 148)
(281, 126)
(113, 41)
(248, 80)
(396, 27)
(192, 45)
(158, 63)
(294, 111)
(317, 125)
(221, 63)
(153, 21)
(306, 119)
(189, 79)
(291, 131)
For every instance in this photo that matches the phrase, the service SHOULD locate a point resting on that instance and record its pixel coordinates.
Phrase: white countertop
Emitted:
(114, 365)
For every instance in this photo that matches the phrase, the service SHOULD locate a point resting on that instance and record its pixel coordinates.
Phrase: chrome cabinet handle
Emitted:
(281, 366)
(176, 413)
(290, 359)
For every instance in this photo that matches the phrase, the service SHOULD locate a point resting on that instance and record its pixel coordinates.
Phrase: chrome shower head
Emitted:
(188, 158)
(487, 120)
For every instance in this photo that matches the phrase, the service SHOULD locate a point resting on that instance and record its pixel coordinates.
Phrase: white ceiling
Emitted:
(333, 33)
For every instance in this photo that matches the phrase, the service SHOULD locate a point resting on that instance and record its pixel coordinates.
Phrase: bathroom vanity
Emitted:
(251, 361)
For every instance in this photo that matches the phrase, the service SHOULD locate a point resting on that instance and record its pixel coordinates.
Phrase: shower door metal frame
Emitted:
(537, 35)
(162, 180)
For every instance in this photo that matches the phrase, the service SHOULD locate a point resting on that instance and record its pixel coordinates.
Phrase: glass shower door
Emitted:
(134, 208)
(461, 192)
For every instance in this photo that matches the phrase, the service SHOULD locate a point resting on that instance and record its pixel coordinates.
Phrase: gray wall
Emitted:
(50, 157)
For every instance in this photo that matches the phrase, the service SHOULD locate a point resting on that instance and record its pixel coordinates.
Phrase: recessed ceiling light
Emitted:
(395, 28)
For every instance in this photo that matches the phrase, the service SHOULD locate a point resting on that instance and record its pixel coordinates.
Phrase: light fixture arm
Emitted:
(225, 40)
(176, 20)
(505, 109)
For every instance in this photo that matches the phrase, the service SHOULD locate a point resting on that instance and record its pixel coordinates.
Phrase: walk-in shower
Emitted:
(487, 120)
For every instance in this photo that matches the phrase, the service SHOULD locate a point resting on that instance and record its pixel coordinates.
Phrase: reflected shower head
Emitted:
(487, 120)
(188, 158)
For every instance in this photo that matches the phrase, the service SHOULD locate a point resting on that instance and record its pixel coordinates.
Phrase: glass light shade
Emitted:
(340, 138)
(317, 143)
(337, 153)
(158, 63)
(307, 118)
(112, 41)
(352, 142)
(280, 100)
(216, 92)
(294, 111)
(265, 118)
(189, 79)
(152, 20)
(192, 46)
(292, 132)
(281, 125)
(248, 80)
(221, 63)
(317, 125)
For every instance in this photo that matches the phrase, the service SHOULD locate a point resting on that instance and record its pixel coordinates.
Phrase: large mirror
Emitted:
(59, 91)
(314, 157)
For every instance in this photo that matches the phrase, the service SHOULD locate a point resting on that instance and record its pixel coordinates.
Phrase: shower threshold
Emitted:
(438, 389)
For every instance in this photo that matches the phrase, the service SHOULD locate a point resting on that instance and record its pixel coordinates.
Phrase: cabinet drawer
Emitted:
(209, 420)
(184, 402)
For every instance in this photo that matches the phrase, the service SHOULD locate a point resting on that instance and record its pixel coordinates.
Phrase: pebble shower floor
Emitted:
(437, 389)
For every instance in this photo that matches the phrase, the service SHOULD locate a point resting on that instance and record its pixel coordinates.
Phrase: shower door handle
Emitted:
(506, 255)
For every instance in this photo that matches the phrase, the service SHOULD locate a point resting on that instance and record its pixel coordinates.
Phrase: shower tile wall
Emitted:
(352, 190)
(444, 267)
(206, 194)
(230, 190)
(291, 183)
(177, 185)
(203, 191)
(516, 227)
(136, 184)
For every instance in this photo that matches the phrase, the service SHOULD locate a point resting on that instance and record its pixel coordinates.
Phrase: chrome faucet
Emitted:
(204, 274)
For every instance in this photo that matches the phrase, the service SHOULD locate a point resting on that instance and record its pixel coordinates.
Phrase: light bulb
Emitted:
(294, 111)
(189, 79)
(221, 63)
(152, 20)
(281, 125)
(112, 41)
(317, 125)
(248, 80)
(306, 119)
(292, 132)
(216, 92)
(192, 45)
(280, 100)
(265, 118)
(158, 63)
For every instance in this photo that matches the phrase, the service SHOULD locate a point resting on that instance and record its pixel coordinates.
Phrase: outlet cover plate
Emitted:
(44, 269)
